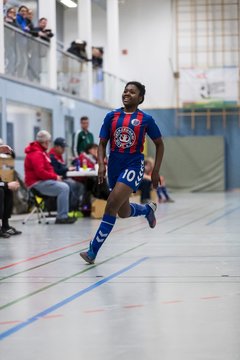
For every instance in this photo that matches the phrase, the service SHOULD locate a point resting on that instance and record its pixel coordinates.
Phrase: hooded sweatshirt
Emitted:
(37, 165)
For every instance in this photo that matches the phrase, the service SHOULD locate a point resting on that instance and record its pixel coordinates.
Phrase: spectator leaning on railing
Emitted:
(10, 17)
(42, 31)
(21, 18)
(78, 48)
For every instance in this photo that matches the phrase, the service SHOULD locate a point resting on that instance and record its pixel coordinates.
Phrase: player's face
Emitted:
(131, 97)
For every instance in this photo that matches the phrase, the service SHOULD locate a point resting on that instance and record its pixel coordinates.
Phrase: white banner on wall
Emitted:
(209, 88)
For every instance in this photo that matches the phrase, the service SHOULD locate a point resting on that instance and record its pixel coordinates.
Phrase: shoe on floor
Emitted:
(68, 220)
(85, 257)
(170, 200)
(4, 235)
(151, 216)
(11, 231)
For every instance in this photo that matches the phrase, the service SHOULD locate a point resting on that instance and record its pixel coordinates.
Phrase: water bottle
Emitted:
(84, 164)
(77, 165)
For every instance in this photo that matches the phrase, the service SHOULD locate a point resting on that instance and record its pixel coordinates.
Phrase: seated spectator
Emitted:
(10, 17)
(89, 158)
(146, 183)
(5, 149)
(42, 31)
(21, 18)
(78, 48)
(162, 190)
(40, 175)
(6, 200)
(60, 168)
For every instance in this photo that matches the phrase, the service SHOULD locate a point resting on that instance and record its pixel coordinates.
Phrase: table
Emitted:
(82, 173)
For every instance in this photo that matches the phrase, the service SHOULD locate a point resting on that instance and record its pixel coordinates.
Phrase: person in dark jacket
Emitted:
(42, 31)
(60, 168)
(40, 175)
(78, 48)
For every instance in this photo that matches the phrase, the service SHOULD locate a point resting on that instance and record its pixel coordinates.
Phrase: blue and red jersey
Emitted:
(127, 131)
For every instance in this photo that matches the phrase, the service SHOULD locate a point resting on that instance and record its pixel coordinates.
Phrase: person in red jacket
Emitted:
(40, 175)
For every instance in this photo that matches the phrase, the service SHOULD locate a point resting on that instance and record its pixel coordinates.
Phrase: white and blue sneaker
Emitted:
(151, 214)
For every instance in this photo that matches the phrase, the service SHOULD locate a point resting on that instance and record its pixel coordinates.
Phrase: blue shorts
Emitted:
(125, 168)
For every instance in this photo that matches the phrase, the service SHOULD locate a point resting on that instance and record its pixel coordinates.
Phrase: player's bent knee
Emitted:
(122, 215)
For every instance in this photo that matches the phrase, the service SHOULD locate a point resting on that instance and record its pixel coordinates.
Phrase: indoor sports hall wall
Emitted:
(194, 163)
(171, 126)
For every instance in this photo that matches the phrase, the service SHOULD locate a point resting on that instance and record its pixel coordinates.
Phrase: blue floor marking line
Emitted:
(220, 217)
(52, 308)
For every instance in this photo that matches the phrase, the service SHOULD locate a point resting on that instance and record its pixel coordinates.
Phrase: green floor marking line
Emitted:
(51, 261)
(67, 278)
(38, 266)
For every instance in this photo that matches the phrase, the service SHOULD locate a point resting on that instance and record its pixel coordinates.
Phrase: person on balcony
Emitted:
(42, 31)
(21, 19)
(10, 17)
(78, 48)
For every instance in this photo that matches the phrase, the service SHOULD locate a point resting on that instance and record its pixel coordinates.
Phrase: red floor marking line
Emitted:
(54, 251)
(210, 297)
(132, 306)
(10, 322)
(94, 311)
(44, 254)
(52, 316)
(172, 302)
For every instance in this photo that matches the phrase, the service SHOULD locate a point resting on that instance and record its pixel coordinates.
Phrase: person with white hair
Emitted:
(40, 175)
(5, 149)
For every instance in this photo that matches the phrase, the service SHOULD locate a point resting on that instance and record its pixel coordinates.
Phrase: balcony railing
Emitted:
(25, 56)
(72, 74)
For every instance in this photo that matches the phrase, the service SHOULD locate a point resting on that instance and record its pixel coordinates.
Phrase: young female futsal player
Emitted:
(125, 128)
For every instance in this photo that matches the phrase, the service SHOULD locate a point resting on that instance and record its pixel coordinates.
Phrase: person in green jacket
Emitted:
(82, 138)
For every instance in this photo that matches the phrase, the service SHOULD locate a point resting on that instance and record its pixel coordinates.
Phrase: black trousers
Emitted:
(145, 189)
(6, 203)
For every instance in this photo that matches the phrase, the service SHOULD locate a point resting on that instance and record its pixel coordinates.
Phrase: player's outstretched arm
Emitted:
(101, 157)
(158, 160)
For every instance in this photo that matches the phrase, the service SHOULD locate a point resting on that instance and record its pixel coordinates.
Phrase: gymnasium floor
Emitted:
(172, 293)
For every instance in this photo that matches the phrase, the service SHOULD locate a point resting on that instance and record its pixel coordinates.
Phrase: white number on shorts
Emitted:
(129, 174)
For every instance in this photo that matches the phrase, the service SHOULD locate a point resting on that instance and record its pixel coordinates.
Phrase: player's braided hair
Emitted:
(140, 87)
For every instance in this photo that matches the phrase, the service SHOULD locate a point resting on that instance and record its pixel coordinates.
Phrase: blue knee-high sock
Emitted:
(138, 210)
(164, 190)
(159, 190)
(102, 233)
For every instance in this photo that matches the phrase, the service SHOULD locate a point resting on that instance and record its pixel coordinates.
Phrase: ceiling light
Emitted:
(69, 3)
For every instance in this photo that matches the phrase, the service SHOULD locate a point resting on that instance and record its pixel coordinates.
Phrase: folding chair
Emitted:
(38, 201)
